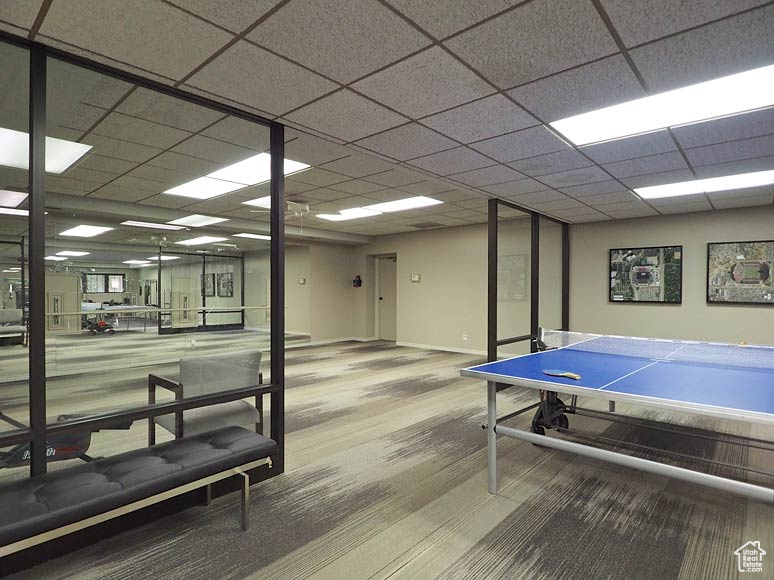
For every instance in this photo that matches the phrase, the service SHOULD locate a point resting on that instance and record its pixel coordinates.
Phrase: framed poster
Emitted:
(740, 272)
(208, 284)
(653, 274)
(512, 277)
(226, 285)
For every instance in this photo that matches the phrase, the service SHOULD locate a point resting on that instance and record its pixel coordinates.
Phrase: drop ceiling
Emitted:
(394, 98)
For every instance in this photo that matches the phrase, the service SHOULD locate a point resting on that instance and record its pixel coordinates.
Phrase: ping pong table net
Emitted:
(686, 351)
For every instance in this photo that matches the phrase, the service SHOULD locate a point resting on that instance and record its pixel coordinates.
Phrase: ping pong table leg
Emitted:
(611, 406)
(491, 434)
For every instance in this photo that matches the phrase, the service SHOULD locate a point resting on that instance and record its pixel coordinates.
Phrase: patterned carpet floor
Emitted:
(386, 478)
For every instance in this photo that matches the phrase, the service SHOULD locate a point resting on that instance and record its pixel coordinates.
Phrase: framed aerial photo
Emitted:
(740, 272)
(653, 274)
(226, 285)
(208, 284)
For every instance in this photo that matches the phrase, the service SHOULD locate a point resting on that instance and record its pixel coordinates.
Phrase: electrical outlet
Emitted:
(464, 337)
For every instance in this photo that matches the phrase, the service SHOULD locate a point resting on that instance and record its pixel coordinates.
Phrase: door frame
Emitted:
(377, 317)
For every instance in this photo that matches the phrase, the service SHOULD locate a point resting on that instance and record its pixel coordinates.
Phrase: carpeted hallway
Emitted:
(386, 478)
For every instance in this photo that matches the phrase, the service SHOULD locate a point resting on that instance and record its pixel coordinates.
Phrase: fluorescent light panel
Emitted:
(72, 253)
(55, 258)
(11, 198)
(729, 95)
(725, 183)
(200, 241)
(85, 231)
(137, 224)
(403, 204)
(348, 214)
(13, 211)
(60, 154)
(136, 262)
(204, 188)
(197, 221)
(164, 258)
(252, 236)
(264, 202)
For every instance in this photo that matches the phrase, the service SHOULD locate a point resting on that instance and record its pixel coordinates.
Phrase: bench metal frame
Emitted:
(207, 482)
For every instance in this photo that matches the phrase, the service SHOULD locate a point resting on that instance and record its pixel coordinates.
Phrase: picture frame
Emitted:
(208, 285)
(651, 274)
(226, 285)
(740, 272)
(512, 277)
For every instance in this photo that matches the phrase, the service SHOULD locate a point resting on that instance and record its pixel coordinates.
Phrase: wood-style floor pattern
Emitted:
(386, 478)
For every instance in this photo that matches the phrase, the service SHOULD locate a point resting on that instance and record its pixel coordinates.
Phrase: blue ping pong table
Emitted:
(718, 380)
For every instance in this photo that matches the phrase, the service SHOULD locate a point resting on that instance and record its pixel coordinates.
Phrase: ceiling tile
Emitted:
(631, 147)
(425, 188)
(657, 178)
(164, 45)
(453, 160)
(575, 177)
(551, 163)
(643, 165)
(407, 142)
(732, 151)
(234, 15)
(681, 205)
(396, 177)
(454, 196)
(212, 150)
(357, 165)
(487, 176)
(322, 194)
(630, 212)
(291, 187)
(162, 176)
(595, 188)
(746, 201)
(21, 14)
(645, 20)
(424, 84)
(578, 218)
(357, 186)
(517, 187)
(599, 84)
(60, 184)
(347, 116)
(89, 175)
(386, 195)
(730, 46)
(81, 117)
(564, 204)
(442, 18)
(310, 149)
(342, 39)
(616, 198)
(107, 164)
(538, 197)
(481, 119)
(120, 149)
(166, 110)
(122, 193)
(240, 132)
(167, 201)
(522, 144)
(734, 167)
(126, 128)
(319, 177)
(724, 129)
(250, 75)
(184, 164)
(535, 40)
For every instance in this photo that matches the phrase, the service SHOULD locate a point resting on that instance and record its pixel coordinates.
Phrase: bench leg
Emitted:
(245, 516)
(208, 495)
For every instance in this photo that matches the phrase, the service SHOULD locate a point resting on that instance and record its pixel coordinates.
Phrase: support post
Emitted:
(491, 435)
(491, 323)
(565, 276)
(245, 515)
(534, 298)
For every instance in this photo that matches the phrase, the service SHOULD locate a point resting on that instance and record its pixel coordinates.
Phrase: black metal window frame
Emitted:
(493, 340)
(39, 430)
(106, 284)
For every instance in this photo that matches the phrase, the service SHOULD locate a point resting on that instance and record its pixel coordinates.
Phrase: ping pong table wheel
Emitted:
(538, 430)
(563, 422)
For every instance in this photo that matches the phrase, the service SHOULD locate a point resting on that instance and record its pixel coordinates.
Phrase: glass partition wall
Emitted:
(122, 251)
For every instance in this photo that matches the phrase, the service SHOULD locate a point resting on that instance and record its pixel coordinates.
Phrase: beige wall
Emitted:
(693, 319)
(331, 292)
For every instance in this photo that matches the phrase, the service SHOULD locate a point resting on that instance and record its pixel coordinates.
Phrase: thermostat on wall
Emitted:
(416, 277)
(302, 281)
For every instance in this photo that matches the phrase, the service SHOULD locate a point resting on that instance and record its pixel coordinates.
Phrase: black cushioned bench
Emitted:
(38, 509)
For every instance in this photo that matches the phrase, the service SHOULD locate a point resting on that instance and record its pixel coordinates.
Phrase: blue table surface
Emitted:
(730, 386)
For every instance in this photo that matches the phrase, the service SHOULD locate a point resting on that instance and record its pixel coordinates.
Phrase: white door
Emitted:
(387, 310)
(184, 309)
(63, 294)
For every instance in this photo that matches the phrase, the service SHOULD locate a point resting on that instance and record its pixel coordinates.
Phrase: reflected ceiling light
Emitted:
(85, 231)
(151, 225)
(146, 265)
(348, 214)
(725, 183)
(225, 245)
(204, 188)
(136, 262)
(260, 202)
(403, 204)
(252, 236)
(55, 258)
(11, 198)
(9, 271)
(164, 258)
(200, 241)
(72, 253)
(12, 211)
(60, 154)
(15, 269)
(197, 221)
(753, 89)
(255, 170)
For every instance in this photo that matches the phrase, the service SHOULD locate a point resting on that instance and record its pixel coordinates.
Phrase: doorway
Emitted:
(387, 298)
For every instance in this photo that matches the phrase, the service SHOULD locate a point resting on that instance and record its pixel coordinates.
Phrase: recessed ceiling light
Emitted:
(725, 183)
(729, 95)
(348, 214)
(197, 221)
(225, 245)
(403, 204)
(15, 268)
(164, 258)
(200, 241)
(255, 170)
(260, 202)
(11, 198)
(72, 253)
(136, 262)
(9, 271)
(13, 211)
(55, 258)
(252, 236)
(85, 231)
(204, 188)
(60, 154)
(151, 225)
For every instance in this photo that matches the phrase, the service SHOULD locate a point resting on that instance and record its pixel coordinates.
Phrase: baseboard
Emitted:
(326, 341)
(443, 348)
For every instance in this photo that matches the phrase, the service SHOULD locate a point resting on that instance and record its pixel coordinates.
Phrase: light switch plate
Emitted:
(416, 277)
